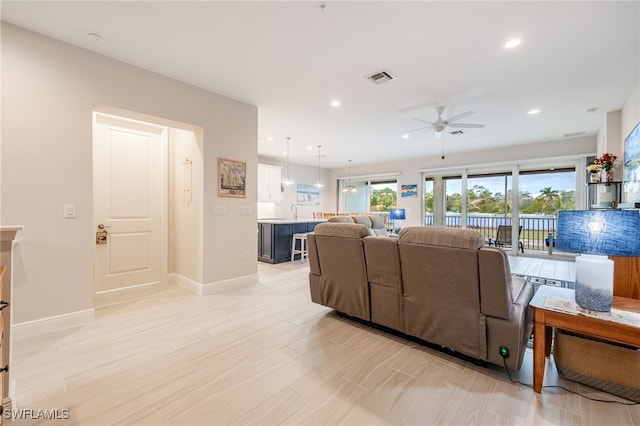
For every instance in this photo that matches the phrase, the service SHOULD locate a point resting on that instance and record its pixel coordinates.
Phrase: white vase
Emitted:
(606, 176)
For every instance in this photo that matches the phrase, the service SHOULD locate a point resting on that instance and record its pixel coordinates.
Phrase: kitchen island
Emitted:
(275, 235)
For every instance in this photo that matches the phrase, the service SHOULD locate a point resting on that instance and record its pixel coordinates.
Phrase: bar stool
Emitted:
(303, 246)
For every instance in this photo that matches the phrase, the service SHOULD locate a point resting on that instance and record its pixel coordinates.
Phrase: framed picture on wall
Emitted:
(308, 195)
(232, 178)
(409, 191)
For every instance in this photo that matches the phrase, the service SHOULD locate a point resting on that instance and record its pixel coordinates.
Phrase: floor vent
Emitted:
(380, 77)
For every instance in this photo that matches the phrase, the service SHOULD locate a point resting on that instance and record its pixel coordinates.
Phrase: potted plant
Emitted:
(594, 169)
(606, 163)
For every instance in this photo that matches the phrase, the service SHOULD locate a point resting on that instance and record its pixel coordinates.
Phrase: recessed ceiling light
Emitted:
(309, 148)
(534, 112)
(269, 138)
(284, 153)
(405, 136)
(95, 37)
(514, 42)
(335, 103)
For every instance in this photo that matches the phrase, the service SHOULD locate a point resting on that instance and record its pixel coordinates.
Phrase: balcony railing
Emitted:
(535, 228)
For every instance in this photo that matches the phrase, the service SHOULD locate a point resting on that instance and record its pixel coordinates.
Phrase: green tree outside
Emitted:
(383, 200)
(481, 200)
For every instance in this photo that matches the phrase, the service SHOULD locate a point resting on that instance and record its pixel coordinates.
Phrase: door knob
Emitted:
(101, 226)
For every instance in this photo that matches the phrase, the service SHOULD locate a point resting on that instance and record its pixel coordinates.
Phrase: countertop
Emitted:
(284, 220)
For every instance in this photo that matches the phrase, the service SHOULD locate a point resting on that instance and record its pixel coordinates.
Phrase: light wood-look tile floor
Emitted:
(264, 354)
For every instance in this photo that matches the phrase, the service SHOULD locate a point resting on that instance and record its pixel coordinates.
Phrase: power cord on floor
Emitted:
(504, 360)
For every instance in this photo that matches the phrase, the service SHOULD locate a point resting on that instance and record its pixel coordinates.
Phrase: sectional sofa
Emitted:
(440, 285)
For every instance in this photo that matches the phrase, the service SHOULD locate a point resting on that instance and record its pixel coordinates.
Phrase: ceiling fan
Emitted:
(441, 124)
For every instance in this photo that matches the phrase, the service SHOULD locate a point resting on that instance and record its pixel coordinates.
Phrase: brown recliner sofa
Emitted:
(441, 285)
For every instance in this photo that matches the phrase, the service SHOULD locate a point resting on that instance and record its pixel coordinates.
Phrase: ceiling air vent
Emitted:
(380, 77)
(456, 132)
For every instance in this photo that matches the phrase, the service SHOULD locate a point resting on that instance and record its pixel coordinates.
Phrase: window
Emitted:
(428, 201)
(371, 195)
(356, 201)
(384, 195)
(453, 197)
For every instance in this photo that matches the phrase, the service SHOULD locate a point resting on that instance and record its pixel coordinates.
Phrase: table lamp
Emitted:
(396, 214)
(596, 234)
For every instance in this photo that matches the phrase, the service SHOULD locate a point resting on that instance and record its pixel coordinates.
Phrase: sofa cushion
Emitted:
(445, 237)
(341, 230)
(362, 220)
(377, 222)
(341, 219)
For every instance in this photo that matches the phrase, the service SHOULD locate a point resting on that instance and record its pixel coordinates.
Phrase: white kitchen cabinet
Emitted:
(269, 183)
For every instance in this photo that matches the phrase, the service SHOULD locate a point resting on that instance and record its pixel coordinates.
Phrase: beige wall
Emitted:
(49, 90)
(630, 113)
(185, 217)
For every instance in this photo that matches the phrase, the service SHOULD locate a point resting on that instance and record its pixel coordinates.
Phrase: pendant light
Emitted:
(319, 184)
(349, 187)
(288, 181)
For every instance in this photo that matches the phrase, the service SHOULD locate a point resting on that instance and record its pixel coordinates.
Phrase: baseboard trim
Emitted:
(55, 323)
(213, 287)
(233, 283)
(185, 282)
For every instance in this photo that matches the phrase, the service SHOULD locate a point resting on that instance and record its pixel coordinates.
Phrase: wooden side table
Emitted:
(548, 312)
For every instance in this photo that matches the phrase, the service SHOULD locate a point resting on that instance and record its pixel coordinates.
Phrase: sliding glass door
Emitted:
(484, 202)
(542, 194)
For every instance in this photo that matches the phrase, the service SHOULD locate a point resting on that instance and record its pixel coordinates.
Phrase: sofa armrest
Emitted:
(499, 290)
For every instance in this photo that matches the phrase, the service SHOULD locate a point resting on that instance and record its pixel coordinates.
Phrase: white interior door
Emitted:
(129, 187)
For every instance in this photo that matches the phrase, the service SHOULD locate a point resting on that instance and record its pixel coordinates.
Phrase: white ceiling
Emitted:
(290, 59)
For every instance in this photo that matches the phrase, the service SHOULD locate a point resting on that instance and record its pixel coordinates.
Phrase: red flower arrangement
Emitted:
(605, 162)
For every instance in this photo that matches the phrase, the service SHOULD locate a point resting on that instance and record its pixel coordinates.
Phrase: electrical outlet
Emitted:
(246, 256)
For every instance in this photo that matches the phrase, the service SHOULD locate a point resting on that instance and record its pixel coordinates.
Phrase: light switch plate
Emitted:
(69, 211)
(220, 210)
(246, 210)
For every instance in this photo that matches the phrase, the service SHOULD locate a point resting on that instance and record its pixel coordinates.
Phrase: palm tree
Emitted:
(548, 195)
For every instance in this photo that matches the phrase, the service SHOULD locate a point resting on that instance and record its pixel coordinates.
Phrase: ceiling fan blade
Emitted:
(465, 126)
(415, 130)
(459, 116)
(423, 121)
